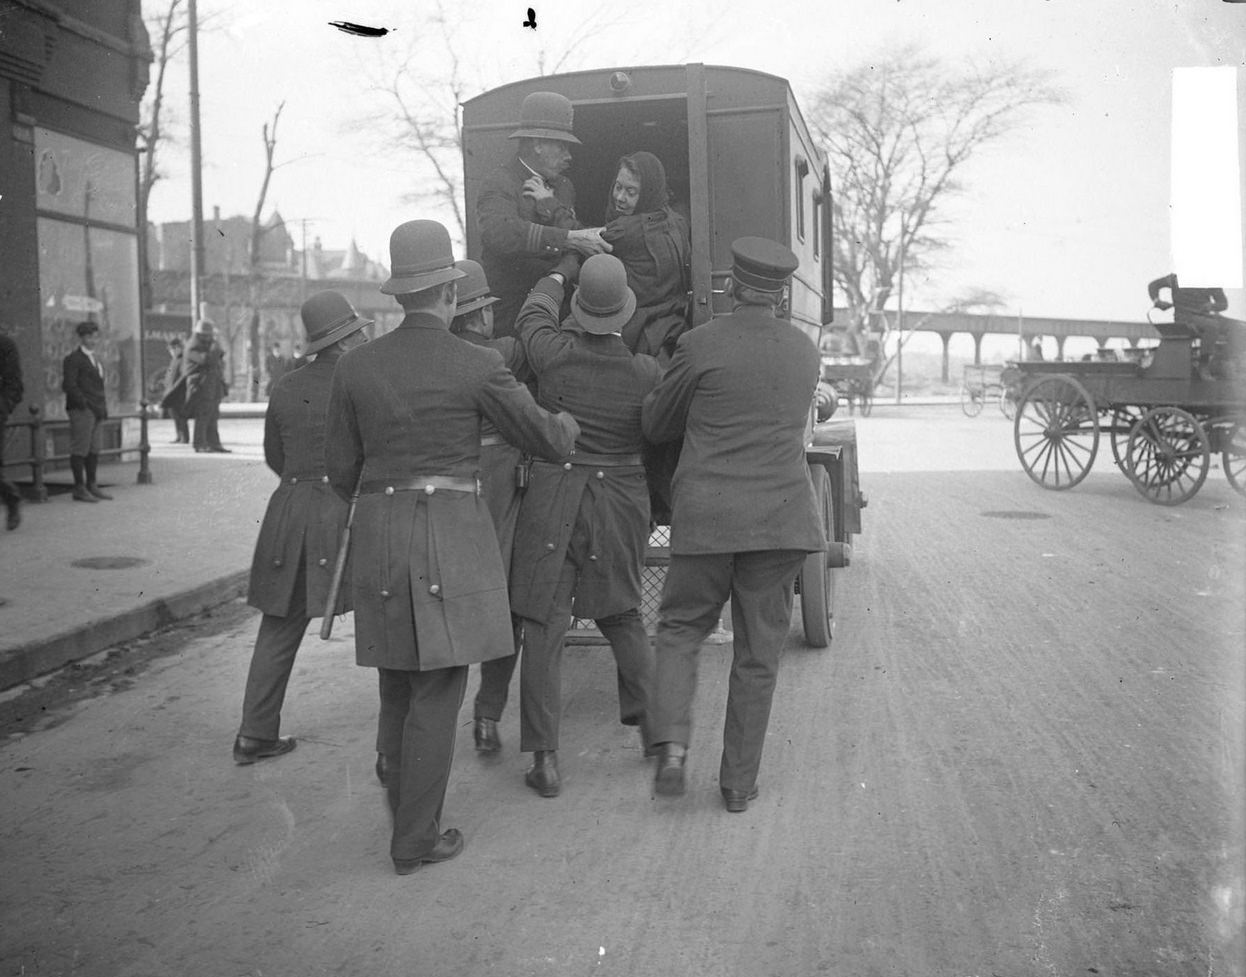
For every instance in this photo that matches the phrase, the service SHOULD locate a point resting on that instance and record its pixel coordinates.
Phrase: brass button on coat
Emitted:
(601, 474)
(549, 546)
(389, 490)
(276, 563)
(384, 593)
(322, 562)
(430, 489)
(567, 466)
(434, 590)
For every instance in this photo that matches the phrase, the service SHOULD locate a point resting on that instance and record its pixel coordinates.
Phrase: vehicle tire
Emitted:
(816, 581)
(970, 402)
(1233, 457)
(1168, 455)
(1056, 431)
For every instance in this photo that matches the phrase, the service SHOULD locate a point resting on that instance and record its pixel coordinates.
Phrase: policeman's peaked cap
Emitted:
(603, 303)
(761, 263)
(474, 289)
(328, 317)
(419, 258)
(545, 115)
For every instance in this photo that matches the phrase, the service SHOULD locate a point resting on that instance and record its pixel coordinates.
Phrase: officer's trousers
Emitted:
(540, 668)
(276, 646)
(760, 587)
(418, 719)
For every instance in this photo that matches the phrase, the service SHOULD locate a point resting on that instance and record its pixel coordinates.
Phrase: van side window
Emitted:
(817, 225)
(802, 171)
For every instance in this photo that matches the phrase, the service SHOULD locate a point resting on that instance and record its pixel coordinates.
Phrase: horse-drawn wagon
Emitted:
(1165, 411)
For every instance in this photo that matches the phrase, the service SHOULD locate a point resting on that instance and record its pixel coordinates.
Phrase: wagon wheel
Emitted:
(1056, 432)
(1123, 421)
(866, 398)
(1008, 401)
(1168, 455)
(970, 402)
(817, 586)
(1233, 457)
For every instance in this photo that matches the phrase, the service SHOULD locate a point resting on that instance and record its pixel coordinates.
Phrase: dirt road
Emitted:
(1022, 756)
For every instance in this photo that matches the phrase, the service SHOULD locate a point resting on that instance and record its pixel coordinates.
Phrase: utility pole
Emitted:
(196, 167)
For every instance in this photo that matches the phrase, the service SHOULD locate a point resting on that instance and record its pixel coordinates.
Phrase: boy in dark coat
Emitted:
(82, 379)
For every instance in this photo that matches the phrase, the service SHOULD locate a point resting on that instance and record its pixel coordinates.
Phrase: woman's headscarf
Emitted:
(652, 176)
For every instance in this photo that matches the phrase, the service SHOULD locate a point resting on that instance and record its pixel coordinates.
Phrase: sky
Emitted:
(1068, 216)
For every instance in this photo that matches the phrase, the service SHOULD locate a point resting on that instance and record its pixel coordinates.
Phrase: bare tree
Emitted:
(898, 132)
(255, 272)
(420, 113)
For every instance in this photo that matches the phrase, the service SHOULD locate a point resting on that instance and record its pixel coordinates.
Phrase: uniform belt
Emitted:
(428, 484)
(586, 459)
(304, 477)
(489, 440)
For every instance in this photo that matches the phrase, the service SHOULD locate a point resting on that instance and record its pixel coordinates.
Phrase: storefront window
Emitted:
(104, 290)
(88, 263)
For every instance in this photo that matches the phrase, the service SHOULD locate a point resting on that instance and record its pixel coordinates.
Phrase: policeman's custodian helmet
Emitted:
(474, 289)
(760, 263)
(328, 317)
(603, 303)
(419, 258)
(545, 115)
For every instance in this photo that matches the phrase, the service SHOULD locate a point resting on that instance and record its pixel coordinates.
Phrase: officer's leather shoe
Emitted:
(737, 800)
(448, 845)
(383, 769)
(247, 749)
(669, 780)
(95, 490)
(217, 449)
(82, 495)
(485, 733)
(542, 776)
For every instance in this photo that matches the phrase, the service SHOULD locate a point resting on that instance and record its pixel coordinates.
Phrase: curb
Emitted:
(25, 662)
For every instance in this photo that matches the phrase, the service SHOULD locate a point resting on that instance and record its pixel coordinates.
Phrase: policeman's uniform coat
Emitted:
(305, 517)
(427, 584)
(521, 238)
(499, 459)
(598, 381)
(742, 483)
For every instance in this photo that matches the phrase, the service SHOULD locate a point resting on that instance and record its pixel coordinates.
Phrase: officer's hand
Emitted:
(536, 188)
(588, 241)
(569, 266)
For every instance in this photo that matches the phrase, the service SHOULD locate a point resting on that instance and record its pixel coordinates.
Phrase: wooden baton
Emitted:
(339, 565)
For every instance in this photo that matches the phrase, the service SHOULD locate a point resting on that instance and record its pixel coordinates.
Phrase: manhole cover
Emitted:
(110, 562)
(1016, 514)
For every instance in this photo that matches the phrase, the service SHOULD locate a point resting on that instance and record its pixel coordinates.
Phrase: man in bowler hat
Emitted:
(297, 545)
(82, 380)
(738, 391)
(501, 469)
(526, 208)
(427, 581)
(584, 521)
(203, 366)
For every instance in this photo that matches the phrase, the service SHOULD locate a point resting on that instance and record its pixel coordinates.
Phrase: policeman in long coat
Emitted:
(427, 582)
(584, 521)
(738, 390)
(297, 545)
(501, 467)
(526, 207)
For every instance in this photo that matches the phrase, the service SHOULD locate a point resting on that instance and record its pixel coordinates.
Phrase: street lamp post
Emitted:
(196, 166)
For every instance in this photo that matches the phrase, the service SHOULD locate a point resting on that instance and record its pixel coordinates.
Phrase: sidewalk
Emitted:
(155, 554)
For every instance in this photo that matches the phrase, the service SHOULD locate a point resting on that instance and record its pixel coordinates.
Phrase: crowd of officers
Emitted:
(491, 487)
